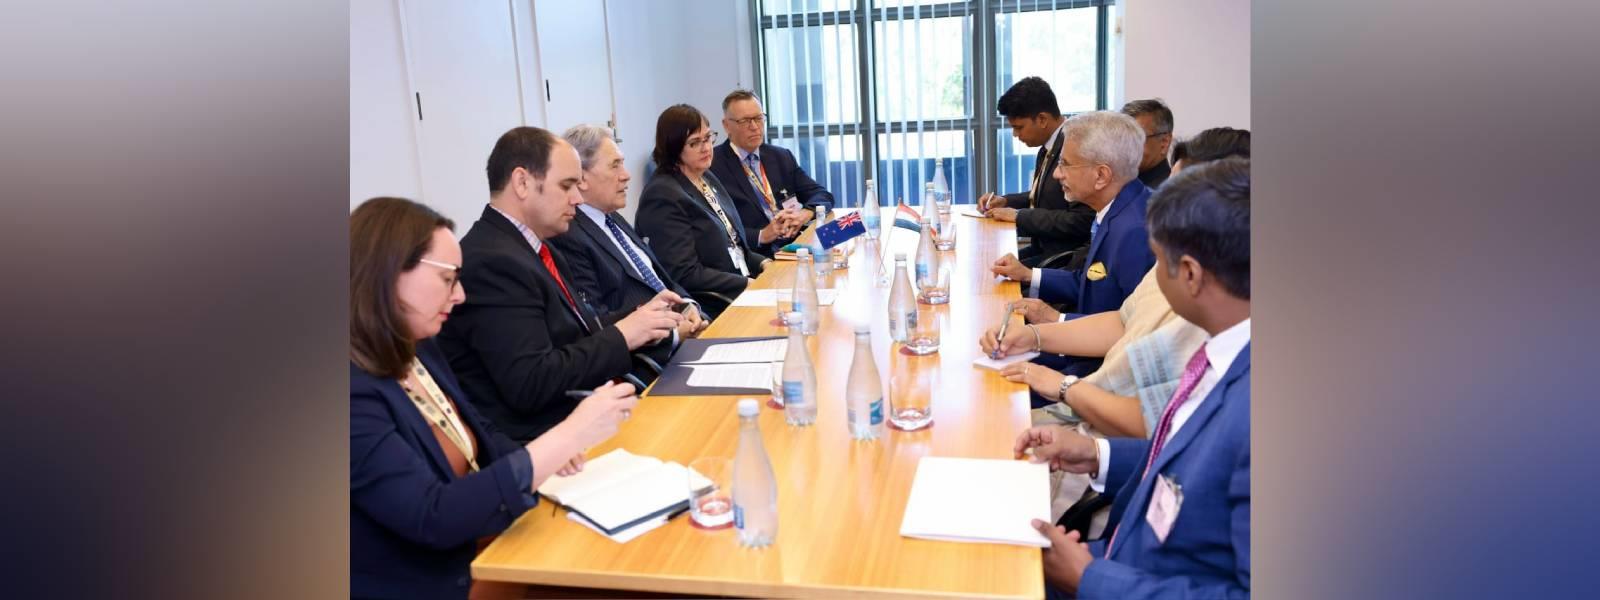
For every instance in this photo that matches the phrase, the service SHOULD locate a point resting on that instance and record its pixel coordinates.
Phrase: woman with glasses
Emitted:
(430, 480)
(688, 218)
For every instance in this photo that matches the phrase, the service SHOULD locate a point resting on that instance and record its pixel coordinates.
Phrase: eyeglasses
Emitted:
(701, 142)
(454, 277)
(758, 120)
(1064, 165)
(1159, 133)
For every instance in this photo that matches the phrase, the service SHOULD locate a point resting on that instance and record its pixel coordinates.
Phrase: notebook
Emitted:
(984, 361)
(978, 500)
(620, 490)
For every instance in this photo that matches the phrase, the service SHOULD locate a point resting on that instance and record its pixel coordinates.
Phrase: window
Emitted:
(906, 85)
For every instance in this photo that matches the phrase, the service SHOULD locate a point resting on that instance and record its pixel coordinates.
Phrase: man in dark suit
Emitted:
(524, 336)
(1043, 213)
(609, 263)
(761, 176)
(1156, 120)
(1182, 497)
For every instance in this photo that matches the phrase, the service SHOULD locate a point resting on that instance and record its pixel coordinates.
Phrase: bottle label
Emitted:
(877, 411)
(911, 321)
(738, 516)
(794, 393)
(922, 271)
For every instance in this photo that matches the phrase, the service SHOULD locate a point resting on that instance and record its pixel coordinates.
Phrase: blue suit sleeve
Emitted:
(1135, 250)
(1110, 579)
(1059, 286)
(1127, 456)
(393, 484)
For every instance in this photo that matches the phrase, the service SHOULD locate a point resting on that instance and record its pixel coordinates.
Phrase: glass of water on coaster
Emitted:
(922, 335)
(711, 493)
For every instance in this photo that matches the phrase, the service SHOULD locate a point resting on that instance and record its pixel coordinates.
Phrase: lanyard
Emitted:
(437, 410)
(761, 185)
(711, 198)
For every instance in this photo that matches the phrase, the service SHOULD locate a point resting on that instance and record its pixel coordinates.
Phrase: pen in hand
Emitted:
(1005, 321)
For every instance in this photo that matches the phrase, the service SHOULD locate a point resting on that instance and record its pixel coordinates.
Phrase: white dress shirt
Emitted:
(599, 219)
(527, 234)
(1221, 350)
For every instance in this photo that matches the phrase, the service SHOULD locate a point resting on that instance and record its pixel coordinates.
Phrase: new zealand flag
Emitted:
(840, 230)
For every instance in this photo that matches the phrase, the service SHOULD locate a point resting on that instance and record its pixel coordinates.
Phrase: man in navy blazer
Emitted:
(608, 262)
(1181, 512)
(760, 176)
(1099, 167)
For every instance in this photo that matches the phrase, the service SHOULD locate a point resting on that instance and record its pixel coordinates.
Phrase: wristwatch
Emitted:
(1066, 382)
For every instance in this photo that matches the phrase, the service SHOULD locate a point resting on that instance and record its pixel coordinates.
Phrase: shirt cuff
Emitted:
(522, 471)
(1099, 481)
(1062, 318)
(1033, 286)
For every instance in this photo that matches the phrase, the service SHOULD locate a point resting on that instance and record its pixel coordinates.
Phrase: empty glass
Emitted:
(711, 492)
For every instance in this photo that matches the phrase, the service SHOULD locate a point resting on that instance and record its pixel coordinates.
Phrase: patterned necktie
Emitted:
(1186, 384)
(550, 264)
(758, 180)
(644, 271)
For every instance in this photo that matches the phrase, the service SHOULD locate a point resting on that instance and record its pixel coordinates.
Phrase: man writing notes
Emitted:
(1182, 507)
(1043, 213)
(761, 176)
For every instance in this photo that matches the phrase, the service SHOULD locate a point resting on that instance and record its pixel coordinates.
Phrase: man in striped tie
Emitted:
(1182, 497)
(607, 261)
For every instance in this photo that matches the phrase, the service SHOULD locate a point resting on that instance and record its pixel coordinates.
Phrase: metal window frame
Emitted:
(981, 124)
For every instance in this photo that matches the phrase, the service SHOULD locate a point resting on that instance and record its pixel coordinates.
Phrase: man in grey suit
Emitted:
(608, 264)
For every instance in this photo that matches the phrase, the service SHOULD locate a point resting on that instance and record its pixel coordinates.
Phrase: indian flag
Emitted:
(905, 217)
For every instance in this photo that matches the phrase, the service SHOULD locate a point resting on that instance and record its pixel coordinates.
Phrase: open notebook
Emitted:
(978, 500)
(621, 490)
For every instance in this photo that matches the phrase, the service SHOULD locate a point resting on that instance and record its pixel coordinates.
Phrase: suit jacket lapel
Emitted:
(1213, 403)
(655, 263)
(608, 243)
(411, 419)
(699, 200)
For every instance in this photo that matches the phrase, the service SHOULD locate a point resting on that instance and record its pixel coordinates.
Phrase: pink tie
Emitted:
(1191, 378)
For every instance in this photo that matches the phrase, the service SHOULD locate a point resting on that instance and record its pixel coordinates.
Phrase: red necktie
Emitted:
(550, 263)
(1186, 384)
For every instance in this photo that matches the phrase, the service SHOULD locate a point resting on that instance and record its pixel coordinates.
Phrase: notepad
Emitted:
(978, 500)
(753, 351)
(769, 297)
(984, 361)
(621, 490)
(750, 375)
(972, 212)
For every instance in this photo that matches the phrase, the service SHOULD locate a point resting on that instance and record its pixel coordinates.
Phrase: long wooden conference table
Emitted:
(840, 501)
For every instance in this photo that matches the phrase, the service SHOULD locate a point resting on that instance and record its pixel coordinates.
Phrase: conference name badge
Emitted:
(1097, 271)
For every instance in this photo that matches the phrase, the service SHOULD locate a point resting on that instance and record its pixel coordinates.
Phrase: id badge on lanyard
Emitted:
(735, 255)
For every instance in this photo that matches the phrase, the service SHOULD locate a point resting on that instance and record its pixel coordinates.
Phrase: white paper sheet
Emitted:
(971, 212)
(752, 375)
(769, 297)
(626, 535)
(978, 500)
(984, 361)
(754, 351)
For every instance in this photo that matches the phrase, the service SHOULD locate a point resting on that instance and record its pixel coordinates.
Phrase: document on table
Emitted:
(971, 211)
(755, 351)
(978, 500)
(997, 364)
(749, 375)
(769, 297)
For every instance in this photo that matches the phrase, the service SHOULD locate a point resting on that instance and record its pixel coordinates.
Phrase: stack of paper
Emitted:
(753, 351)
(621, 492)
(769, 296)
(978, 500)
(996, 364)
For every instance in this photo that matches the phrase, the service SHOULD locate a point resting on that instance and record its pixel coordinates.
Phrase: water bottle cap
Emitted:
(802, 251)
(863, 329)
(748, 407)
(928, 185)
(899, 257)
(794, 316)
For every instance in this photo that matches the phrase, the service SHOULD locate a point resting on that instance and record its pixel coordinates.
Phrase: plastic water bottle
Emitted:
(941, 188)
(930, 202)
(870, 215)
(799, 380)
(902, 302)
(863, 391)
(755, 487)
(805, 294)
(932, 278)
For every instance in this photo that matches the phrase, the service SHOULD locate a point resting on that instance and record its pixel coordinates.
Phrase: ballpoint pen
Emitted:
(1005, 321)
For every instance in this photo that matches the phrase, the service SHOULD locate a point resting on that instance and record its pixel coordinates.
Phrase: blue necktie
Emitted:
(1093, 228)
(638, 264)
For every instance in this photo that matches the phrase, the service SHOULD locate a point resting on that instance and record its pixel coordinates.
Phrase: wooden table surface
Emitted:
(840, 501)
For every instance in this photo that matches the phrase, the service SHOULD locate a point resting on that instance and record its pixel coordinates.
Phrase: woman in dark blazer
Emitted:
(688, 217)
(430, 479)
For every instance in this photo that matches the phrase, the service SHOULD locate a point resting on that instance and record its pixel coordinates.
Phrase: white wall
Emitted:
(383, 143)
(662, 52)
(1195, 54)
